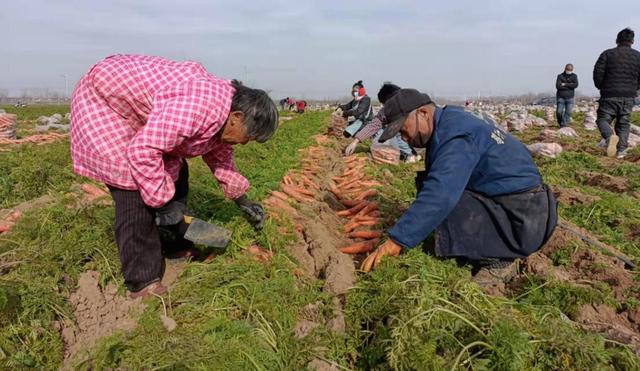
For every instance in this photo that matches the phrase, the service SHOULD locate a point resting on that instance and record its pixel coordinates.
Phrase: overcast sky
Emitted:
(317, 49)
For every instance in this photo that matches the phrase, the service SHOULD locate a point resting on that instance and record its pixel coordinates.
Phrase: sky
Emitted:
(318, 49)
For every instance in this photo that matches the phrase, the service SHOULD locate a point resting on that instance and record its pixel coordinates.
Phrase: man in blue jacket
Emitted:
(481, 192)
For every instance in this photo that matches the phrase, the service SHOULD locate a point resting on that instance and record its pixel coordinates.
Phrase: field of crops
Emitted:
(62, 301)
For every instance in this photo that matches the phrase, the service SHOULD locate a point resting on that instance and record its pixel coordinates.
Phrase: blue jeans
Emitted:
(563, 110)
(395, 142)
(619, 109)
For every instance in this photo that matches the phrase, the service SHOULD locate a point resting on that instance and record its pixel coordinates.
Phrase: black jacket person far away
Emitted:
(617, 73)
(570, 84)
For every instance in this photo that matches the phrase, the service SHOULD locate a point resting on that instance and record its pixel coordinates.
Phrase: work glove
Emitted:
(351, 148)
(171, 214)
(253, 211)
(388, 248)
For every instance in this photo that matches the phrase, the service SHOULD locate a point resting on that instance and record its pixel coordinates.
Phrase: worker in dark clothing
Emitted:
(360, 108)
(566, 85)
(480, 192)
(617, 76)
(283, 102)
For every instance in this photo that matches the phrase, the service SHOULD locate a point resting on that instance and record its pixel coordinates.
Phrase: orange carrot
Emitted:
(310, 182)
(370, 206)
(293, 192)
(334, 190)
(280, 195)
(366, 234)
(371, 183)
(354, 210)
(304, 191)
(369, 193)
(280, 204)
(360, 247)
(351, 203)
(287, 180)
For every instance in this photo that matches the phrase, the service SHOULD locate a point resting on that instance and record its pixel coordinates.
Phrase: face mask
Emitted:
(419, 139)
(568, 72)
(355, 94)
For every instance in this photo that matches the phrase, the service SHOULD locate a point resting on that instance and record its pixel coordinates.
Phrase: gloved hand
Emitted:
(253, 210)
(171, 214)
(351, 148)
(388, 248)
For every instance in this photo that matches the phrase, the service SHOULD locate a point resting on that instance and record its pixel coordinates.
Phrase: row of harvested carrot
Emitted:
(353, 188)
(298, 186)
(37, 139)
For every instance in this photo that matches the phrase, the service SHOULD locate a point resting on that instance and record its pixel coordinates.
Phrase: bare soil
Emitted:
(97, 313)
(573, 196)
(605, 181)
(587, 267)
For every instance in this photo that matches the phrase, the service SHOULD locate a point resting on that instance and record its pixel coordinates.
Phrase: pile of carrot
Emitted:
(299, 186)
(37, 139)
(353, 188)
(338, 124)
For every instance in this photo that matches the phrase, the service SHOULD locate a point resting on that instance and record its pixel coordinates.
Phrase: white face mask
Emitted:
(568, 72)
(355, 94)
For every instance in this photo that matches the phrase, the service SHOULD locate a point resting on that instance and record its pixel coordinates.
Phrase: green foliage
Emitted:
(28, 172)
(419, 312)
(564, 296)
(32, 112)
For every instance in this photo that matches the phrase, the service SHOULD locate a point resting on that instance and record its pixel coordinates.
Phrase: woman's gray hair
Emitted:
(260, 112)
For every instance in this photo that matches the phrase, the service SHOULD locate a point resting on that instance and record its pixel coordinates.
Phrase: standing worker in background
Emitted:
(617, 75)
(360, 108)
(566, 84)
(374, 129)
(481, 192)
(134, 122)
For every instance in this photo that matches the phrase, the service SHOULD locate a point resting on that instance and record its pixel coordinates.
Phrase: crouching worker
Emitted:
(373, 130)
(360, 108)
(134, 122)
(481, 192)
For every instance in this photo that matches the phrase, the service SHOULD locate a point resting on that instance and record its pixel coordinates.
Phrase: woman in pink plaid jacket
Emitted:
(134, 121)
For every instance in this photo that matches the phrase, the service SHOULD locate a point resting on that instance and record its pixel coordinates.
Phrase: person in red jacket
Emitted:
(302, 104)
(134, 122)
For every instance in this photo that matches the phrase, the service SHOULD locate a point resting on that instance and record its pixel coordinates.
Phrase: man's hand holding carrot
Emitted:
(388, 248)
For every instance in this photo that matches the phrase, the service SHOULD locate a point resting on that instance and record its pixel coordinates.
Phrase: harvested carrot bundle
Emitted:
(280, 195)
(369, 207)
(351, 203)
(310, 183)
(354, 210)
(369, 193)
(353, 225)
(280, 205)
(295, 193)
(360, 247)
(367, 235)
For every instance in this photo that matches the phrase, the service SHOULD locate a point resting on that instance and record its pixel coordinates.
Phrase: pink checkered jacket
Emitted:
(135, 119)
